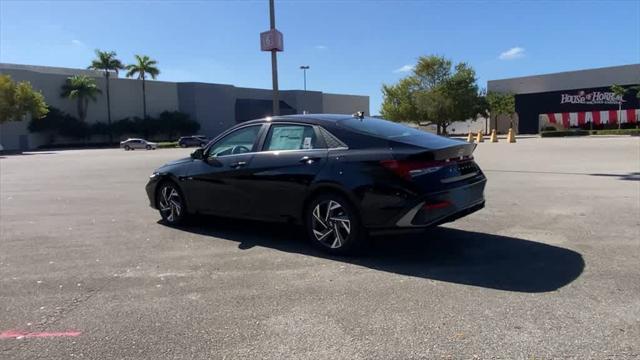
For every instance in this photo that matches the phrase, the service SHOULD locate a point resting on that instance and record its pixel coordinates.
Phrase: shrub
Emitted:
(175, 123)
(167, 144)
(99, 128)
(562, 133)
(57, 122)
(169, 125)
(635, 132)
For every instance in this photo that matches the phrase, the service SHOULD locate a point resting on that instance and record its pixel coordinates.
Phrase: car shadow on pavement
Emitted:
(443, 254)
(634, 176)
(4, 155)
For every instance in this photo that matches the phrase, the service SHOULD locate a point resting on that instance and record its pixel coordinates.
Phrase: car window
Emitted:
(290, 137)
(380, 128)
(238, 142)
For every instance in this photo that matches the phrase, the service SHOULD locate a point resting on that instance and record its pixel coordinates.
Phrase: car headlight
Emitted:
(154, 175)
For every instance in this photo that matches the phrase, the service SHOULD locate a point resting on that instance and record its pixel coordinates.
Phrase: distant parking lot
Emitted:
(548, 269)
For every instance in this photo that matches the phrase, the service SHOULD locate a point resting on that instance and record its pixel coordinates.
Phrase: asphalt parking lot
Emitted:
(549, 269)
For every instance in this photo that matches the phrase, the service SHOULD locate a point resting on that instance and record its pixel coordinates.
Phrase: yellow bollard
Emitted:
(479, 138)
(494, 136)
(469, 138)
(511, 136)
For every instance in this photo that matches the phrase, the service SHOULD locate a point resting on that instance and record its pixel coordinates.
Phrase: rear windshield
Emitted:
(380, 128)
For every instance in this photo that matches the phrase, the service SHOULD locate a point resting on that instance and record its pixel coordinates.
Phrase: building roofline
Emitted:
(98, 73)
(616, 67)
(51, 69)
(569, 80)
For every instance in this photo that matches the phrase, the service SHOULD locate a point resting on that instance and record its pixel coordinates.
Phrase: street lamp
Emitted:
(304, 70)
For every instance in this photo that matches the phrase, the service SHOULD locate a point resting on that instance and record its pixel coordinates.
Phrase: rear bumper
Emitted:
(445, 206)
(417, 229)
(437, 207)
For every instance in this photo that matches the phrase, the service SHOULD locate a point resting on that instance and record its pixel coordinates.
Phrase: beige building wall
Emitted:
(344, 104)
(214, 106)
(126, 99)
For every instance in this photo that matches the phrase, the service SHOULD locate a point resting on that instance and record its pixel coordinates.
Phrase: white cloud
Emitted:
(404, 69)
(512, 54)
(77, 42)
(321, 47)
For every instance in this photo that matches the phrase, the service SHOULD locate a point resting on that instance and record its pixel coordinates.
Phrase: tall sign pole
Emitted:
(274, 62)
(272, 41)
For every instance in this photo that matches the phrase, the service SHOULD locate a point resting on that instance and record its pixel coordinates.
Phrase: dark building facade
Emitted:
(576, 99)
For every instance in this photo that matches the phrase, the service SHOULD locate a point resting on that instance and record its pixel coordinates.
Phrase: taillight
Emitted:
(408, 169)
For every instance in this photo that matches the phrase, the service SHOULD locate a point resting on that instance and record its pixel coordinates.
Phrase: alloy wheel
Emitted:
(170, 204)
(331, 224)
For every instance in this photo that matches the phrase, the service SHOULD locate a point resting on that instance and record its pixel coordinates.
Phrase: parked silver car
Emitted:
(132, 144)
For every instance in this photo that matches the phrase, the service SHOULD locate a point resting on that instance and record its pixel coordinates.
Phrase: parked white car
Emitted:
(132, 144)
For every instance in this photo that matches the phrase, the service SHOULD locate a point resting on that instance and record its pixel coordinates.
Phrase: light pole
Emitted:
(304, 71)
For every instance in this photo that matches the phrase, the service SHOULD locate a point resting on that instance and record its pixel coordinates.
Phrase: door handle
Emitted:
(238, 164)
(309, 159)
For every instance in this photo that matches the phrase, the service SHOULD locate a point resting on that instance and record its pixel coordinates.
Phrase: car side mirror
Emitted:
(198, 154)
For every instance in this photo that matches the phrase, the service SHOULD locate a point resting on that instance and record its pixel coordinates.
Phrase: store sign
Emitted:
(271, 40)
(595, 97)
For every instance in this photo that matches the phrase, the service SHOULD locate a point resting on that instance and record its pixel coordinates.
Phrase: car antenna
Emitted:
(359, 115)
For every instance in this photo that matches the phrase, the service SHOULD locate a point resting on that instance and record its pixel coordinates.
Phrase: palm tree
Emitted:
(81, 88)
(107, 62)
(144, 66)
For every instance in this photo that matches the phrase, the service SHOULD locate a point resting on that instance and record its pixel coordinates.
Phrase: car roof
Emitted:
(318, 119)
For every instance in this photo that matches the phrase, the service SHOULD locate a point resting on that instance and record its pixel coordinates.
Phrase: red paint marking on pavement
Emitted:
(13, 334)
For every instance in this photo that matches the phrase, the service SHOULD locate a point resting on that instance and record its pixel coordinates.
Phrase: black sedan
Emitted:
(195, 140)
(342, 177)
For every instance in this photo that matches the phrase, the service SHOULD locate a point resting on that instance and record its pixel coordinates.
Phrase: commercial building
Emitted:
(571, 99)
(215, 106)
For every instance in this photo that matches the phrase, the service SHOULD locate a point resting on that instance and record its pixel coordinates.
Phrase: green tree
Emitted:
(19, 99)
(462, 92)
(108, 63)
(399, 102)
(620, 92)
(435, 93)
(501, 104)
(144, 66)
(82, 89)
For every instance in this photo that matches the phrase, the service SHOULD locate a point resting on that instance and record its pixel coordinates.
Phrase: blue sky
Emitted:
(352, 46)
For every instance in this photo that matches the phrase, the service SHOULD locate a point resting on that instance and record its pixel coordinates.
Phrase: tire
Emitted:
(171, 203)
(127, 148)
(333, 225)
(148, 147)
(183, 145)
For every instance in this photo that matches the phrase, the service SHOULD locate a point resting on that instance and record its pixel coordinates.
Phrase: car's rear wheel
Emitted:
(171, 203)
(333, 224)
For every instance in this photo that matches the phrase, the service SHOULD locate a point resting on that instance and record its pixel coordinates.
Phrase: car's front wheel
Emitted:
(171, 203)
(333, 225)
(148, 147)
(127, 148)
